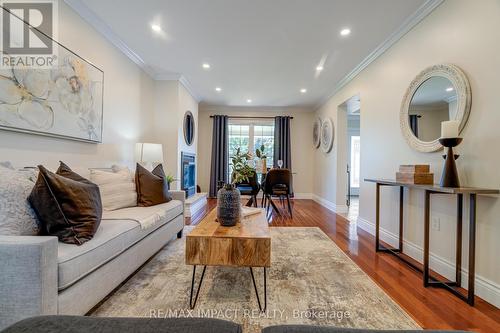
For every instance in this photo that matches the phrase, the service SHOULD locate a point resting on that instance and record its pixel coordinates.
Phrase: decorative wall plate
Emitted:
(317, 133)
(327, 135)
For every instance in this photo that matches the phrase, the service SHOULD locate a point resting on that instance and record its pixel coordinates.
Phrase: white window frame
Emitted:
(251, 122)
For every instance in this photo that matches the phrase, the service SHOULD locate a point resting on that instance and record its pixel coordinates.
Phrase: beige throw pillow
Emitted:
(117, 187)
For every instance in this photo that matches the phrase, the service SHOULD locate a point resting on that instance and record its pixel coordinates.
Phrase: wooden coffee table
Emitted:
(247, 244)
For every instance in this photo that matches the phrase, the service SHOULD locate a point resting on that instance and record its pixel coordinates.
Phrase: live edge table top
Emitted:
(436, 188)
(247, 244)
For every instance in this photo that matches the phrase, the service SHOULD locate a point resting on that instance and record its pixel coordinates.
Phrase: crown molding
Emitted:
(421, 13)
(91, 18)
(189, 88)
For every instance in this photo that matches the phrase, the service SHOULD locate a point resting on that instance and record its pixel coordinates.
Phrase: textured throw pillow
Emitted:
(117, 187)
(67, 205)
(17, 218)
(152, 188)
(7, 165)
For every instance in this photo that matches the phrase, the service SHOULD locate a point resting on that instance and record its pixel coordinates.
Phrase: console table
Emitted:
(461, 194)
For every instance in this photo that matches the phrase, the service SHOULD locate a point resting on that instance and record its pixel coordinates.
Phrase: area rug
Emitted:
(311, 282)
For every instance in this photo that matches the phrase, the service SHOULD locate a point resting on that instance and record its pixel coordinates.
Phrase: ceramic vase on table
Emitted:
(228, 205)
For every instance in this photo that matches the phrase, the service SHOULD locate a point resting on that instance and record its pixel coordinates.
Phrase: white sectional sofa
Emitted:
(40, 275)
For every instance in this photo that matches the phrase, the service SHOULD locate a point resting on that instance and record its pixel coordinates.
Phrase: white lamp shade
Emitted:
(149, 152)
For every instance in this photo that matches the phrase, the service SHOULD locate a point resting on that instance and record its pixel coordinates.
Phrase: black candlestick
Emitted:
(450, 173)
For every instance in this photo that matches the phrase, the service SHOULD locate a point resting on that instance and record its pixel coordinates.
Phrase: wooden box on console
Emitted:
(415, 178)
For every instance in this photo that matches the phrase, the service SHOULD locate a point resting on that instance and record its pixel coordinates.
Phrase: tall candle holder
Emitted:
(450, 173)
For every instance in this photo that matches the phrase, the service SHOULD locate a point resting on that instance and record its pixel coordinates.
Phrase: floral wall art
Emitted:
(63, 101)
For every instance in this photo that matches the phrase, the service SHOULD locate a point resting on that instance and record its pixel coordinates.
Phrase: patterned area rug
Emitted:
(311, 281)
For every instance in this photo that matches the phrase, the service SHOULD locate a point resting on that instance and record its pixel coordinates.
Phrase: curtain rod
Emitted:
(248, 117)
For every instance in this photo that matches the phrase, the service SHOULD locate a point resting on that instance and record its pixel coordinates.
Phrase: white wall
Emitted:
(464, 33)
(301, 141)
(127, 106)
(171, 101)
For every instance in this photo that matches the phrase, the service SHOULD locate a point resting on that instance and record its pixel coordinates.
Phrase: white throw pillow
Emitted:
(117, 187)
(7, 165)
(17, 218)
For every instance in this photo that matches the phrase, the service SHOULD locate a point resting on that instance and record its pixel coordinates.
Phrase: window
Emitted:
(355, 160)
(264, 135)
(248, 135)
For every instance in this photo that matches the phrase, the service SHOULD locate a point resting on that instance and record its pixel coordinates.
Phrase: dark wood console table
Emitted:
(460, 192)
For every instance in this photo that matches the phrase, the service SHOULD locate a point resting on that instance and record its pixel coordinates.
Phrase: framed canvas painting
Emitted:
(65, 100)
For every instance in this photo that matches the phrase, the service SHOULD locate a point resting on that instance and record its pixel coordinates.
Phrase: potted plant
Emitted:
(228, 197)
(260, 153)
(169, 179)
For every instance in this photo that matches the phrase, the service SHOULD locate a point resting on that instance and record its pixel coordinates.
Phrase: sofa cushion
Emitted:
(152, 187)
(80, 324)
(117, 187)
(17, 218)
(67, 205)
(326, 329)
(113, 237)
(147, 216)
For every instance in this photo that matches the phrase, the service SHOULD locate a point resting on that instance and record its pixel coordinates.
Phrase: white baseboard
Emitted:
(299, 196)
(302, 196)
(330, 205)
(486, 289)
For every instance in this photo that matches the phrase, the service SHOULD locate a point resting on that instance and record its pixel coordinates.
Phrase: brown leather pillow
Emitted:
(67, 205)
(152, 188)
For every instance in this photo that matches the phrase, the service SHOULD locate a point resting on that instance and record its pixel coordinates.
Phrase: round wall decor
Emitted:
(189, 128)
(438, 93)
(327, 135)
(317, 132)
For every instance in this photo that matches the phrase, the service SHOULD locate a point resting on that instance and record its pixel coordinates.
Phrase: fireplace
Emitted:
(188, 173)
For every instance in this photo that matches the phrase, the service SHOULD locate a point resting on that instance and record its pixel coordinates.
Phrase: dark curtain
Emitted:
(282, 147)
(414, 123)
(220, 154)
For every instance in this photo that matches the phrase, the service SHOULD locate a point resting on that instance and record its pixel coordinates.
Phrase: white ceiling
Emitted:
(261, 49)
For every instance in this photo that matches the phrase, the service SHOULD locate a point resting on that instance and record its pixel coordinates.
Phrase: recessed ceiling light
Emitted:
(249, 100)
(206, 66)
(449, 89)
(155, 27)
(319, 68)
(303, 90)
(218, 89)
(345, 32)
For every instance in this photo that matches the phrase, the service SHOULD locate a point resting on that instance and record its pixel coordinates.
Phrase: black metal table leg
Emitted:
(472, 249)
(453, 286)
(257, 292)
(377, 218)
(401, 217)
(427, 223)
(191, 303)
(458, 259)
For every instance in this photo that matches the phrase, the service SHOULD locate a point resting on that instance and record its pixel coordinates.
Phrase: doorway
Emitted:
(349, 158)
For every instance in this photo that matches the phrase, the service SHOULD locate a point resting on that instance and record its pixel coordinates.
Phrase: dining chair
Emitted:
(251, 188)
(278, 184)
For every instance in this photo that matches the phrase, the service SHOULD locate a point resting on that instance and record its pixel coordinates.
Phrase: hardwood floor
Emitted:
(431, 308)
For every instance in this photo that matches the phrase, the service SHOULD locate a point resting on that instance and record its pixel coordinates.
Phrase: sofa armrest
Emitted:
(178, 195)
(28, 277)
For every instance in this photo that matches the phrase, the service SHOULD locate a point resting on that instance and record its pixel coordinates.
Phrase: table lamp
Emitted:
(147, 154)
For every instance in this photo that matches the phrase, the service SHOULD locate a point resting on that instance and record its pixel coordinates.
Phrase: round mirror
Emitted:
(189, 128)
(434, 101)
(437, 94)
